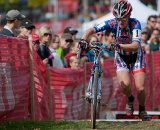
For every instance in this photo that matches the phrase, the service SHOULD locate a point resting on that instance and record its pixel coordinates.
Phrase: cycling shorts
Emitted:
(134, 62)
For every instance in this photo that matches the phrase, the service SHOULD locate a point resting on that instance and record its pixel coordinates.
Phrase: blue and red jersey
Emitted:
(126, 36)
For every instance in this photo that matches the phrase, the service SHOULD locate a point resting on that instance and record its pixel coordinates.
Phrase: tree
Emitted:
(36, 3)
(9, 1)
(8, 4)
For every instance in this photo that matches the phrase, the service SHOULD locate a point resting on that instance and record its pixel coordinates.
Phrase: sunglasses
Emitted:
(122, 19)
(99, 34)
(69, 40)
(47, 34)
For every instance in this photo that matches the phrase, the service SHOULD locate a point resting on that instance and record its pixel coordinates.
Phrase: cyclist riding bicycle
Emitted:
(129, 55)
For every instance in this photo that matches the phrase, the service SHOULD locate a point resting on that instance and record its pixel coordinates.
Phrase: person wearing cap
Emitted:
(65, 43)
(72, 31)
(26, 28)
(13, 18)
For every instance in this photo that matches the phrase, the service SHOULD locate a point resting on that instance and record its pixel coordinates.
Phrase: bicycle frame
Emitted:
(94, 86)
(96, 64)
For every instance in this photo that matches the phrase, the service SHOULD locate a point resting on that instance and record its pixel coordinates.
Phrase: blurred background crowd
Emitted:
(54, 25)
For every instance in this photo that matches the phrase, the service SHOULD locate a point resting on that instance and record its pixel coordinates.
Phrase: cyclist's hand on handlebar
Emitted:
(96, 45)
(84, 45)
(112, 47)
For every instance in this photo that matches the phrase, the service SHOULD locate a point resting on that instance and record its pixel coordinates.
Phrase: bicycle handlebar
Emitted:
(97, 47)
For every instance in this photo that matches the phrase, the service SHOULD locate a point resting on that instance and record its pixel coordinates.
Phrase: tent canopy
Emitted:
(140, 12)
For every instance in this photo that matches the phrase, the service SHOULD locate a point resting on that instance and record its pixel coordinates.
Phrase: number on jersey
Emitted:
(136, 33)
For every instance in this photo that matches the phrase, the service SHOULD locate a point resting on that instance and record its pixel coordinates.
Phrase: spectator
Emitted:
(158, 23)
(43, 50)
(110, 38)
(35, 40)
(74, 62)
(144, 44)
(26, 28)
(65, 43)
(100, 36)
(13, 18)
(90, 54)
(54, 44)
(151, 24)
(154, 43)
(72, 52)
(72, 31)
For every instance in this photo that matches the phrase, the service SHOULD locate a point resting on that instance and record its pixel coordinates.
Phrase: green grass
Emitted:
(78, 125)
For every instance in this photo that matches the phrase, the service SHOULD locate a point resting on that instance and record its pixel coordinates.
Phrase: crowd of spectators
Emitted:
(60, 51)
(151, 34)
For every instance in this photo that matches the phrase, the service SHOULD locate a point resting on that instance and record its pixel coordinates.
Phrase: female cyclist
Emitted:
(128, 53)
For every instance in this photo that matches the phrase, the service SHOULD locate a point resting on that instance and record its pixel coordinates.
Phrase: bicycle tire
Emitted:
(94, 99)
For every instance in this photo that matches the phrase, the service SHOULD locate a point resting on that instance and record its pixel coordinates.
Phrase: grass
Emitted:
(78, 125)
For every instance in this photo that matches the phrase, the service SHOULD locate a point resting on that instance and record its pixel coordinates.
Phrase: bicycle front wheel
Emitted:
(94, 99)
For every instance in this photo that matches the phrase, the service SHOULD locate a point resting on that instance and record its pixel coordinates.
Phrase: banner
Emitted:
(14, 78)
(67, 91)
(40, 101)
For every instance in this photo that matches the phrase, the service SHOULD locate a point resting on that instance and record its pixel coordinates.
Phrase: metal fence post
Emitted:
(32, 90)
(152, 78)
(49, 94)
(84, 86)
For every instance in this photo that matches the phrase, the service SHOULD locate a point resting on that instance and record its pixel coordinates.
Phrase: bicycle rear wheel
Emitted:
(94, 99)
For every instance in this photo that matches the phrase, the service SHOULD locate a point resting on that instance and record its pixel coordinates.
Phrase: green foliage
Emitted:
(6, 5)
(36, 3)
(9, 1)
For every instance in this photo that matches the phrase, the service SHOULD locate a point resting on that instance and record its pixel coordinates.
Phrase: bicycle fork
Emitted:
(90, 85)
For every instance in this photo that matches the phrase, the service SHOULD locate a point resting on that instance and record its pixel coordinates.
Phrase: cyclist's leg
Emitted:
(124, 80)
(139, 82)
(139, 76)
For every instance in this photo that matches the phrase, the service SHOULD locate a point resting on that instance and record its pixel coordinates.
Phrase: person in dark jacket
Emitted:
(13, 18)
(43, 50)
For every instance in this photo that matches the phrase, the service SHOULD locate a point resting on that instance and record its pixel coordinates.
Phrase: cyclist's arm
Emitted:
(88, 33)
(130, 47)
(99, 27)
(136, 38)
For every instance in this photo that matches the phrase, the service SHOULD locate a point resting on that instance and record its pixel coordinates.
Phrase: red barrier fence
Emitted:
(14, 78)
(29, 90)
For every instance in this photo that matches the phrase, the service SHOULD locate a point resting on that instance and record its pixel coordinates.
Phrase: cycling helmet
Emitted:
(122, 9)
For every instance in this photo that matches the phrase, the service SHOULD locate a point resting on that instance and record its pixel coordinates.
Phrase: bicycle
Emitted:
(94, 87)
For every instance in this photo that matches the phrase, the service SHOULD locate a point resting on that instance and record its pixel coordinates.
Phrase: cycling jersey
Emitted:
(126, 36)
